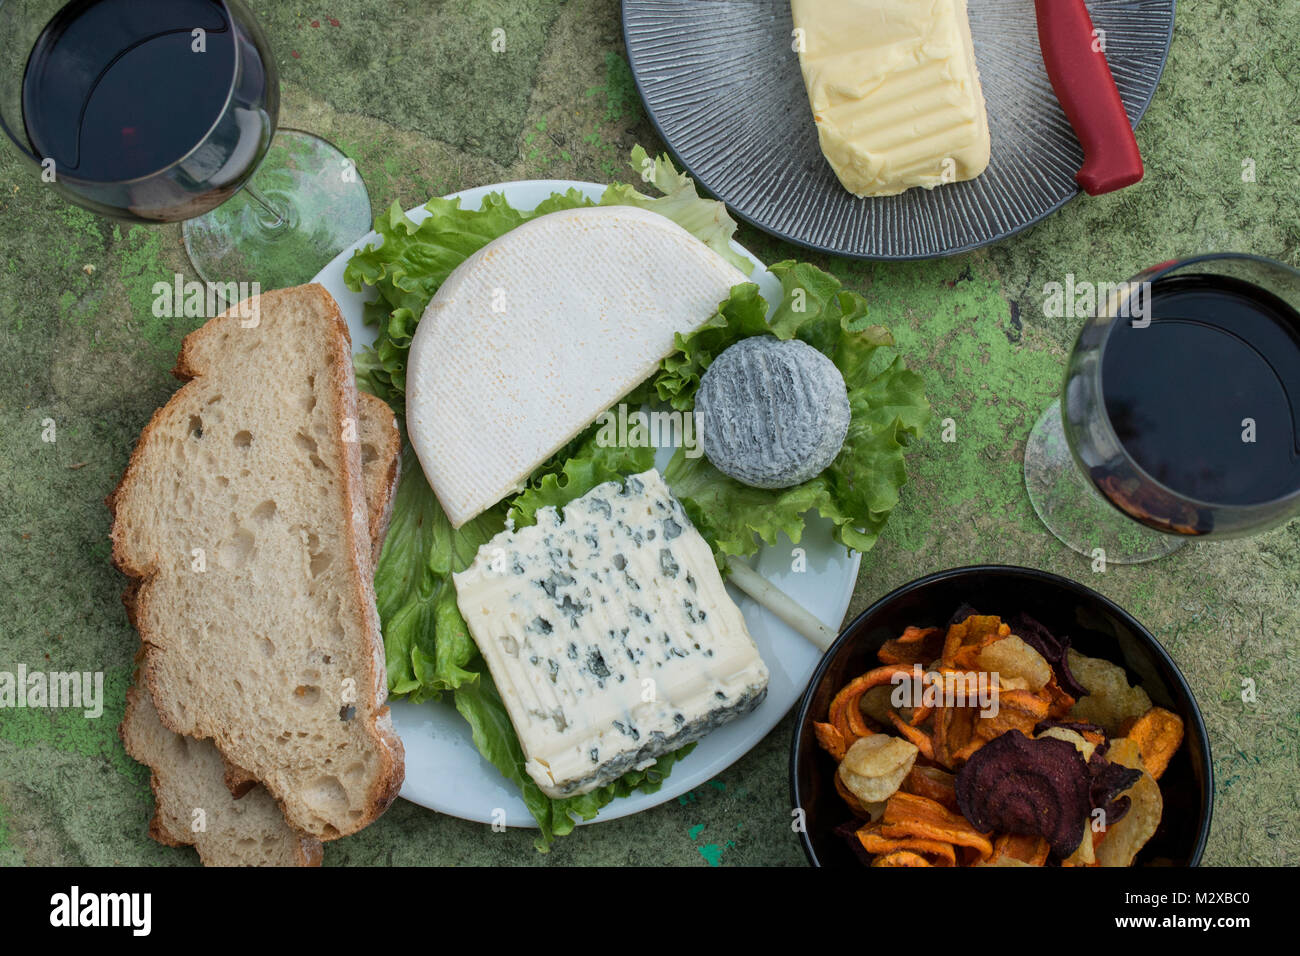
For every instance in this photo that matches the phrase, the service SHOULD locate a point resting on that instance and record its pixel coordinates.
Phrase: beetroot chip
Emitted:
(1016, 784)
(1054, 649)
(848, 832)
(1108, 781)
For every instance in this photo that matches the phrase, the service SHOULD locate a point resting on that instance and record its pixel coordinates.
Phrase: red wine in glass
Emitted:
(1205, 400)
(148, 109)
(165, 111)
(1180, 413)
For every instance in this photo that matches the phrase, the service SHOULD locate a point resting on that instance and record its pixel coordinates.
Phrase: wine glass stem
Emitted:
(276, 216)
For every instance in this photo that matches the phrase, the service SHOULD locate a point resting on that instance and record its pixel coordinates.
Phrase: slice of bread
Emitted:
(192, 805)
(243, 516)
(189, 775)
(381, 461)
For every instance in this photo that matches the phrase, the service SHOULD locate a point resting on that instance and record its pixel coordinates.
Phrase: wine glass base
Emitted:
(324, 208)
(1075, 511)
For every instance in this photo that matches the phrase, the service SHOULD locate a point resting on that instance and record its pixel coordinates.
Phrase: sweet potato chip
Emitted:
(915, 646)
(954, 732)
(845, 710)
(933, 784)
(1017, 710)
(970, 631)
(906, 814)
(1158, 734)
(874, 766)
(1030, 850)
(830, 740)
(918, 738)
(900, 858)
(936, 852)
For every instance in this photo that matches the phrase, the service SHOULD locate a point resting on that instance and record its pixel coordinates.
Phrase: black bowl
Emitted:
(1097, 627)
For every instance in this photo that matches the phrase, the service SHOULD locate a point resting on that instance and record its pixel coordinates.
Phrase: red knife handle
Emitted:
(1086, 89)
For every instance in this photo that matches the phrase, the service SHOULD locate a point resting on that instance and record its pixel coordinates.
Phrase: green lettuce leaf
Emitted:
(427, 645)
(887, 405)
(586, 463)
(494, 736)
(706, 219)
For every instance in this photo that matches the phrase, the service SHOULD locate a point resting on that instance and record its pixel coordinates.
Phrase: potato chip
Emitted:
(1052, 648)
(1011, 657)
(876, 703)
(1084, 855)
(1089, 732)
(874, 766)
(1126, 752)
(1085, 747)
(1110, 700)
(1128, 835)
(1158, 734)
(1003, 682)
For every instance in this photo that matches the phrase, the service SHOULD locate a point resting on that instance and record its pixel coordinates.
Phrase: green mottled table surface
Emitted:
(411, 90)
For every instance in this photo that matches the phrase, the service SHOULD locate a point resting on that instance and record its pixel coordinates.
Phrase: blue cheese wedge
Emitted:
(609, 634)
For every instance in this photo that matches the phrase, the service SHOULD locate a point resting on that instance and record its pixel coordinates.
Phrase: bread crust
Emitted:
(307, 850)
(389, 455)
(141, 570)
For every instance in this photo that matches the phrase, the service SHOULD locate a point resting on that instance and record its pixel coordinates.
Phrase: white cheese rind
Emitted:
(540, 331)
(609, 634)
(895, 92)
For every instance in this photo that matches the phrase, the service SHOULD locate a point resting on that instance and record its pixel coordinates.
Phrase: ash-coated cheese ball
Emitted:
(772, 414)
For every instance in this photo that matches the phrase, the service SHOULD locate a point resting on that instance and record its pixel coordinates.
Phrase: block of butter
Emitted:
(894, 91)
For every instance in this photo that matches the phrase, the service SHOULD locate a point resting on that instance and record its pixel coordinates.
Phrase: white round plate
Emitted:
(446, 773)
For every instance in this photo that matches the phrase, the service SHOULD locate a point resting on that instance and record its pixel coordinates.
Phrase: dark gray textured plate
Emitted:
(723, 87)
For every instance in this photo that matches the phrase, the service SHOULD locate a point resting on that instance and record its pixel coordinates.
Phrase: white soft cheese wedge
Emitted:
(539, 332)
(895, 92)
(609, 634)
